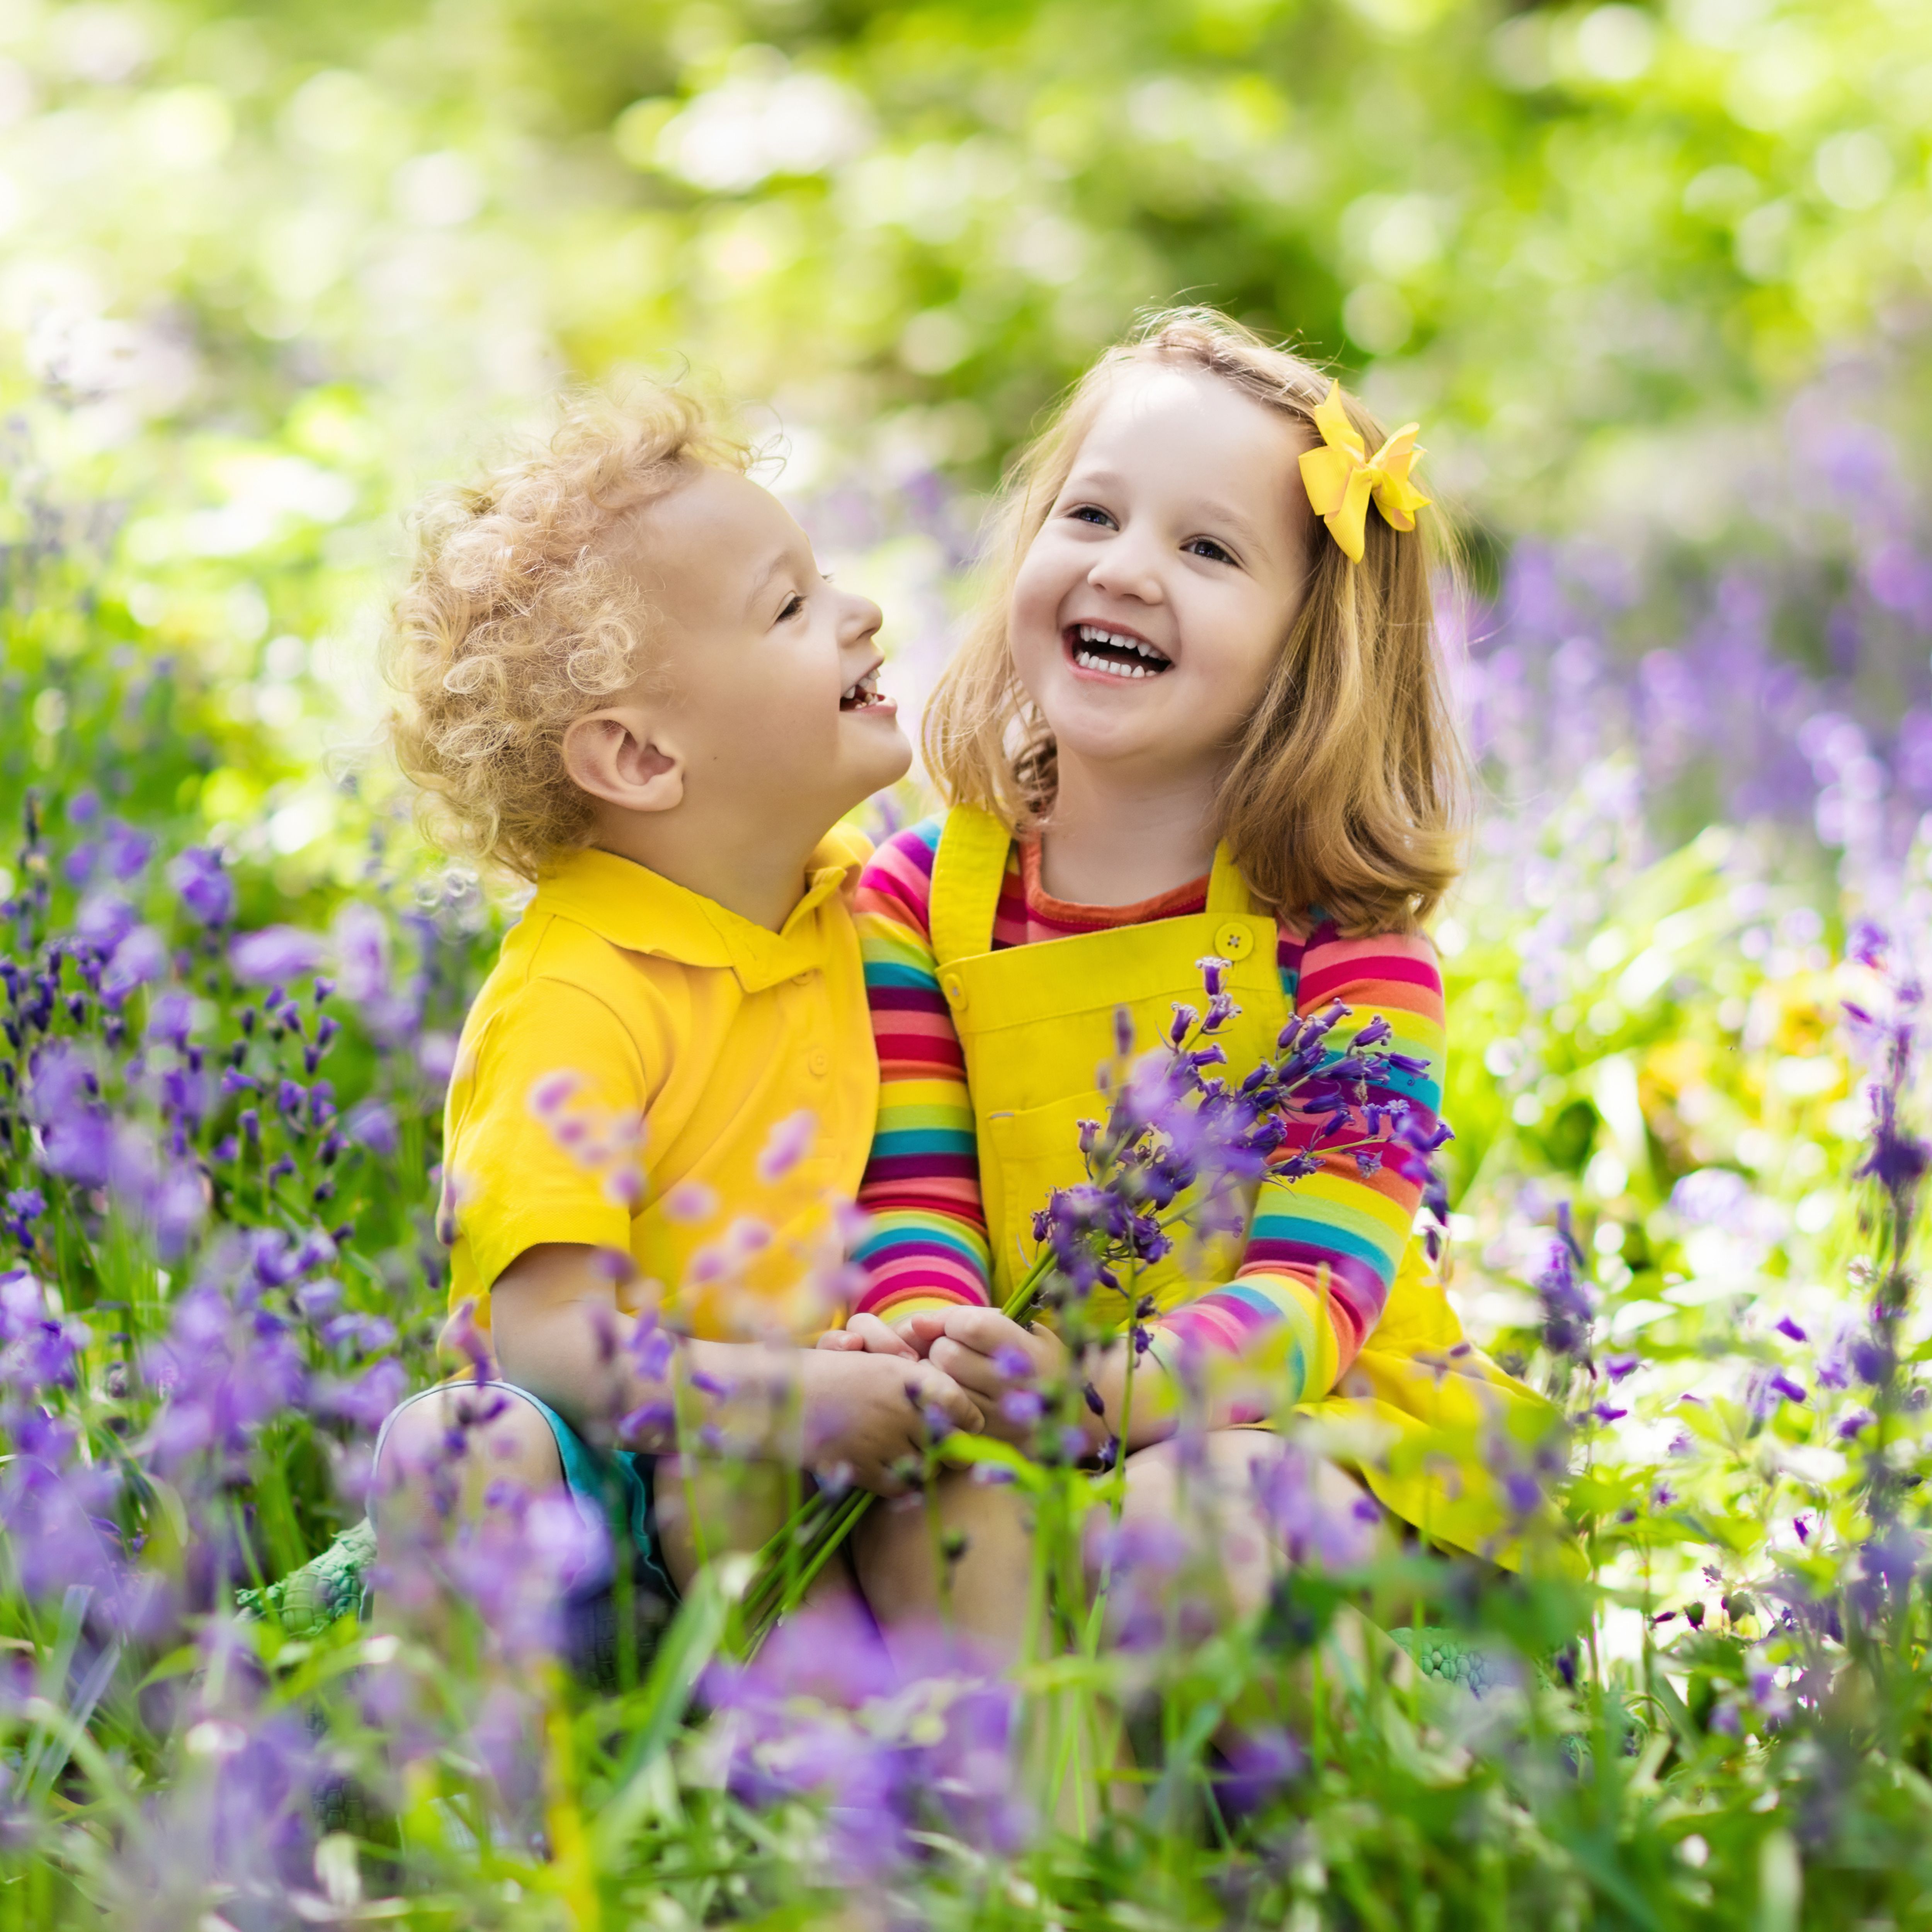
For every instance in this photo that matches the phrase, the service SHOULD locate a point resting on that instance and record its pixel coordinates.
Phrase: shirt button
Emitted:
(954, 988)
(1234, 940)
(801, 979)
(818, 1060)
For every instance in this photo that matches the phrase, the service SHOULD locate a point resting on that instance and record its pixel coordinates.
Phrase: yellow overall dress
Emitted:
(1035, 1024)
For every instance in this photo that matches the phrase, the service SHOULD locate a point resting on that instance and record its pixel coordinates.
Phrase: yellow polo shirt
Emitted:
(646, 1071)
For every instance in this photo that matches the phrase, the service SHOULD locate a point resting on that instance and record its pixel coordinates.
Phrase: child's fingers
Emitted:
(939, 1391)
(985, 1329)
(880, 1337)
(973, 1372)
(840, 1339)
(924, 1329)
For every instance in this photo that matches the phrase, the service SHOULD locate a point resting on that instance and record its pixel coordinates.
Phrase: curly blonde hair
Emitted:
(516, 620)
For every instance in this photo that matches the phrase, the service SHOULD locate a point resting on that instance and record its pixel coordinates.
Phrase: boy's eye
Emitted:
(1207, 547)
(793, 605)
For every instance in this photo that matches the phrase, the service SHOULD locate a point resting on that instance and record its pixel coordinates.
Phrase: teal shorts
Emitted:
(615, 1490)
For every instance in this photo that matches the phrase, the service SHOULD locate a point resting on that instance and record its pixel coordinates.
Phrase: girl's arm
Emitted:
(1323, 1250)
(1321, 1254)
(926, 1251)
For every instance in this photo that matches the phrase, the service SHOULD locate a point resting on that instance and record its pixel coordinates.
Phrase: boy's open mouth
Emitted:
(864, 694)
(1118, 653)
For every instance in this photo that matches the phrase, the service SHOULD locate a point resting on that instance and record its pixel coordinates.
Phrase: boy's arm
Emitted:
(559, 1334)
(927, 1249)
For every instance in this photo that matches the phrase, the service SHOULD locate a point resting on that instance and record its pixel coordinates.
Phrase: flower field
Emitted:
(1656, 281)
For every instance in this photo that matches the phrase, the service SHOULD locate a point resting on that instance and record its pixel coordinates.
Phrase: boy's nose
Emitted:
(863, 619)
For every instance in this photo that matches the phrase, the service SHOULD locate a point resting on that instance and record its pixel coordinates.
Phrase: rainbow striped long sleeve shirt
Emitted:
(1321, 1254)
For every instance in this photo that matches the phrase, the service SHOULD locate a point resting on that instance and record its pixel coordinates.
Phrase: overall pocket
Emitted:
(1024, 1156)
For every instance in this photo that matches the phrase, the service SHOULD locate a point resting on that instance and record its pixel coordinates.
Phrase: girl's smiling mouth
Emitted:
(1105, 651)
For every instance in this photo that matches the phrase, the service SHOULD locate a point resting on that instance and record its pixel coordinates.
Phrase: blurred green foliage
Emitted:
(1581, 243)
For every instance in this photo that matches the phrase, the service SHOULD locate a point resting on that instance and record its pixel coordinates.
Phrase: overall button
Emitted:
(1234, 940)
(954, 988)
(819, 1060)
(801, 979)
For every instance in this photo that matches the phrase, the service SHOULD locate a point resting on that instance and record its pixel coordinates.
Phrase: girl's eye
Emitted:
(1207, 547)
(1090, 513)
(793, 605)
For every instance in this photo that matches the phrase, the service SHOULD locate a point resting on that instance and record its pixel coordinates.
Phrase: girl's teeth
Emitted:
(1151, 662)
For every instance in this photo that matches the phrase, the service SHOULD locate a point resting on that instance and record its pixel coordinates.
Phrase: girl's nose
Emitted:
(1124, 569)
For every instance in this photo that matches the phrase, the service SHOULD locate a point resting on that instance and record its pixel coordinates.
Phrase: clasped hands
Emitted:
(998, 1366)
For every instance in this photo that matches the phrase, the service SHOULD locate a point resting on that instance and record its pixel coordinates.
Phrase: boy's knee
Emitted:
(483, 1434)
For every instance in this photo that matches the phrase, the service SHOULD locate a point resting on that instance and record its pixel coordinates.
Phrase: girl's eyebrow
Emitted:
(1211, 511)
(1223, 513)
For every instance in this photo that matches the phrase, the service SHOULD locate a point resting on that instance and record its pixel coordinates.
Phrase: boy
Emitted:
(624, 678)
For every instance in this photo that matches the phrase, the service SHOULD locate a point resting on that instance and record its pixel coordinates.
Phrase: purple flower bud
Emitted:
(1214, 973)
(1791, 1391)
(276, 952)
(372, 1124)
(170, 1017)
(788, 1144)
(206, 889)
(1786, 1326)
(650, 1421)
(139, 959)
(105, 918)
(1013, 1363)
(126, 850)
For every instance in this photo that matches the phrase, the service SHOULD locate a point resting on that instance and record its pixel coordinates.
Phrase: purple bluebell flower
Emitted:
(105, 918)
(206, 890)
(274, 953)
(126, 851)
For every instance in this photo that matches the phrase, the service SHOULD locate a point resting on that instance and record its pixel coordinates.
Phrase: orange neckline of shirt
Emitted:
(1180, 899)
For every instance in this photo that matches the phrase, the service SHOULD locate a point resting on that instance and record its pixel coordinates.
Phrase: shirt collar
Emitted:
(642, 911)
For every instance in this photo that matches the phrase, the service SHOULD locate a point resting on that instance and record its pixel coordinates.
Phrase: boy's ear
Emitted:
(622, 758)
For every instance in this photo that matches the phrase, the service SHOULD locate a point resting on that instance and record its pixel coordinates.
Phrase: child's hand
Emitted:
(867, 1413)
(867, 1334)
(1003, 1367)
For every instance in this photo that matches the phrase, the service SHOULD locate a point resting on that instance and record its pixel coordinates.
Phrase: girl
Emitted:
(1201, 713)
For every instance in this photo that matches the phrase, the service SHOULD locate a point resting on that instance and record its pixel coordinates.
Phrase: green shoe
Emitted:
(330, 1587)
(1450, 1657)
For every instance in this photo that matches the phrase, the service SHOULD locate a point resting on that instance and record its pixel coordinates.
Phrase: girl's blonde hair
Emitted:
(518, 618)
(1346, 791)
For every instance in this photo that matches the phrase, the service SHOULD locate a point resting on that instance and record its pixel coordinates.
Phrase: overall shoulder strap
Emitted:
(1227, 894)
(967, 870)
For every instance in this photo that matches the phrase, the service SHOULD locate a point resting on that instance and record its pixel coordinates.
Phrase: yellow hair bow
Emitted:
(1340, 476)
